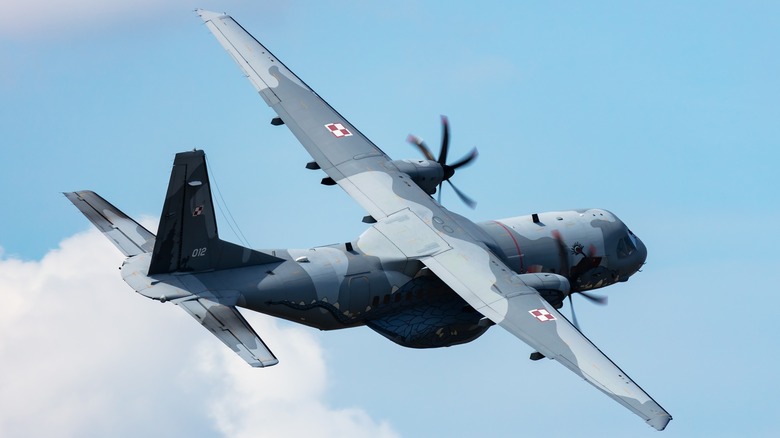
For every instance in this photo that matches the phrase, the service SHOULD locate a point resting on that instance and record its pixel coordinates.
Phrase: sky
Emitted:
(665, 113)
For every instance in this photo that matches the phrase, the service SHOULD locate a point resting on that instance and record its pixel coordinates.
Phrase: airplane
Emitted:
(420, 275)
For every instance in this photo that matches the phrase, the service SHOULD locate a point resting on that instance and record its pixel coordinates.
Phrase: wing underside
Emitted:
(524, 313)
(411, 222)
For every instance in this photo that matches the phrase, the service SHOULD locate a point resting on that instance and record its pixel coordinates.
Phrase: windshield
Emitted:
(625, 247)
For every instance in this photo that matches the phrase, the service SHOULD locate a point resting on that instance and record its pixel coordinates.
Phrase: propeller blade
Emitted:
(573, 315)
(449, 170)
(596, 299)
(563, 254)
(466, 160)
(466, 200)
(417, 141)
(445, 141)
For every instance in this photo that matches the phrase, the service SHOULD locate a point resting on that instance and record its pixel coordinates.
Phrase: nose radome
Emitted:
(640, 255)
(642, 249)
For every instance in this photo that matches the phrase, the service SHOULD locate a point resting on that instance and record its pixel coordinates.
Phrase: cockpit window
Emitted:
(625, 247)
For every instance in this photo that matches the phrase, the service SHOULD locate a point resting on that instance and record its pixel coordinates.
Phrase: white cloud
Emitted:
(46, 18)
(83, 355)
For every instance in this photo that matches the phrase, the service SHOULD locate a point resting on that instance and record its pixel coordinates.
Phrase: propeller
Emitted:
(566, 272)
(449, 169)
(573, 315)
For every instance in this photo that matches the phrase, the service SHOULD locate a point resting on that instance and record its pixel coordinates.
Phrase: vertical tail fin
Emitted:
(187, 238)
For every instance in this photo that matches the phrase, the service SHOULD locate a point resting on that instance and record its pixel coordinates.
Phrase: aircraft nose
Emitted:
(641, 252)
(632, 254)
(637, 257)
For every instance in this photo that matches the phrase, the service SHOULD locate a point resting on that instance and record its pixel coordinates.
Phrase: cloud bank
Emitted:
(83, 355)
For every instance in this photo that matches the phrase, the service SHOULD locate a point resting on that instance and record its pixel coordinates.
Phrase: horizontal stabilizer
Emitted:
(128, 235)
(227, 323)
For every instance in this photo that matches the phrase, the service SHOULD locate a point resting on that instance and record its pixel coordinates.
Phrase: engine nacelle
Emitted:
(552, 287)
(425, 173)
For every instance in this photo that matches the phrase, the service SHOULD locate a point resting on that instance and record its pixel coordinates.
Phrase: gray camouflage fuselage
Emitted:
(340, 286)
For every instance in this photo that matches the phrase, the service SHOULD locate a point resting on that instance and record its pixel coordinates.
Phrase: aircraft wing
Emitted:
(523, 312)
(227, 324)
(338, 147)
(412, 223)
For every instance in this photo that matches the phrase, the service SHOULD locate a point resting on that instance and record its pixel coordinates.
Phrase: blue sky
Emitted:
(665, 113)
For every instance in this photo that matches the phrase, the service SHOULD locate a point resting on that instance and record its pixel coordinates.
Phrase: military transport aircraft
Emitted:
(420, 275)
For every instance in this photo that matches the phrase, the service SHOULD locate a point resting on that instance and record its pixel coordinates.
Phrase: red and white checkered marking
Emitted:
(542, 315)
(198, 211)
(338, 130)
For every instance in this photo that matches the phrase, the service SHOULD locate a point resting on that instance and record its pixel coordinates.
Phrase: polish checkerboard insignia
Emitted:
(542, 315)
(198, 211)
(338, 130)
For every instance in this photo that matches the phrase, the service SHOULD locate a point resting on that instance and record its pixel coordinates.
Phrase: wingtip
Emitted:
(271, 362)
(209, 15)
(660, 422)
(77, 193)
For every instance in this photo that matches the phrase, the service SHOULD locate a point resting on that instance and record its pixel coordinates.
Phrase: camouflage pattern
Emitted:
(420, 275)
(340, 286)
